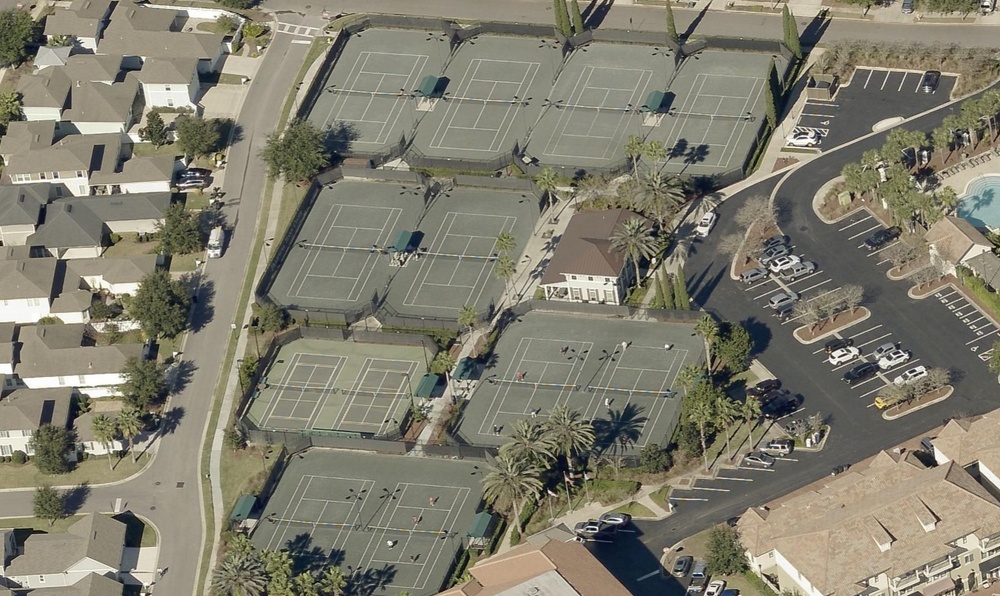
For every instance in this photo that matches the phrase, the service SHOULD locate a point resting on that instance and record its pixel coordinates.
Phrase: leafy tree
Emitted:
(726, 556)
(654, 459)
(852, 295)
(130, 424)
(160, 305)
(197, 136)
(17, 32)
(234, 438)
(657, 301)
(511, 480)
(734, 347)
(155, 131)
(530, 441)
(271, 318)
(570, 433)
(791, 30)
(577, 17)
(105, 432)
(50, 444)
(48, 504)
(688, 440)
(672, 26)
(179, 232)
(681, 300)
(299, 153)
(634, 238)
(144, 383)
(10, 107)
(240, 574)
(237, 4)
(772, 94)
(668, 292)
(254, 29)
(278, 565)
(708, 329)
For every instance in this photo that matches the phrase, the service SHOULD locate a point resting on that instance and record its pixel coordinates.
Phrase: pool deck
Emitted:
(960, 180)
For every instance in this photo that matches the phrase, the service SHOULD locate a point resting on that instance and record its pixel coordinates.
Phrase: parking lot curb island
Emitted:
(890, 417)
(864, 316)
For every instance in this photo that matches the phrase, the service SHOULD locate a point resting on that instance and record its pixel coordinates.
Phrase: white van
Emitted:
(215, 241)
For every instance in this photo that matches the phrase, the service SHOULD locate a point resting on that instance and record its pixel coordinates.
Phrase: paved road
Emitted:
(168, 492)
(620, 16)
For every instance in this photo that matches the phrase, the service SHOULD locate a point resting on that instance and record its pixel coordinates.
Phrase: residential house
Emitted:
(98, 108)
(58, 356)
(69, 232)
(954, 241)
(84, 21)
(50, 56)
(552, 567)
(90, 585)
(114, 276)
(126, 213)
(95, 545)
(90, 68)
(86, 442)
(139, 33)
(169, 82)
(27, 291)
(22, 411)
(21, 209)
(8, 336)
(585, 267)
(892, 527)
(45, 94)
(23, 136)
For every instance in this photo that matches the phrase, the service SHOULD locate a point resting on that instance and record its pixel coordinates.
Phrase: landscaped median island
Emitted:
(819, 323)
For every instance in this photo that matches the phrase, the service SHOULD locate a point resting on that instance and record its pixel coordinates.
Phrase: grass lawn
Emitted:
(660, 497)
(129, 247)
(167, 346)
(697, 547)
(230, 79)
(636, 510)
(92, 471)
(148, 150)
(243, 472)
(738, 440)
(291, 198)
(41, 525)
(184, 263)
(196, 201)
(137, 532)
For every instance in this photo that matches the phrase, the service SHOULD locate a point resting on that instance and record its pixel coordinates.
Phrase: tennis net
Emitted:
(382, 250)
(534, 384)
(302, 522)
(335, 390)
(625, 391)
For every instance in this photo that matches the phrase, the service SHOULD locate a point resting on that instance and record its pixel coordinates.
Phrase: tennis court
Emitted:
(370, 86)
(391, 524)
(321, 385)
(607, 370)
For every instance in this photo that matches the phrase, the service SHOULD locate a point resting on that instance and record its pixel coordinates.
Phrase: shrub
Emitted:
(688, 439)
(606, 491)
(979, 288)
(19, 457)
(654, 458)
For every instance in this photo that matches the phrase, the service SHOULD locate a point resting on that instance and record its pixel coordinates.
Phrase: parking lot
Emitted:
(871, 96)
(976, 326)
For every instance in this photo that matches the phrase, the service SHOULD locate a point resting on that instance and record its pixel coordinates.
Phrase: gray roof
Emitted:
(986, 266)
(92, 585)
(166, 71)
(83, 19)
(68, 226)
(55, 350)
(15, 253)
(31, 278)
(89, 153)
(98, 102)
(91, 67)
(48, 88)
(23, 136)
(52, 56)
(137, 18)
(91, 8)
(72, 301)
(96, 536)
(131, 269)
(21, 204)
(124, 207)
(27, 409)
(137, 31)
(139, 169)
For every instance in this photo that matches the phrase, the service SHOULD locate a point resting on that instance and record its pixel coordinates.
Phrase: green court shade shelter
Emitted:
(481, 530)
(427, 86)
(402, 241)
(465, 369)
(427, 384)
(244, 505)
(653, 101)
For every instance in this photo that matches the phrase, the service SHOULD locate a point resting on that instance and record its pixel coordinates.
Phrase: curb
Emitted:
(890, 417)
(865, 317)
(914, 293)
(138, 473)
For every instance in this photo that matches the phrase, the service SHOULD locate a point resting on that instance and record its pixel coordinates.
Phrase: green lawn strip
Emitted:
(315, 51)
(660, 497)
(148, 150)
(92, 471)
(196, 201)
(717, 449)
(243, 472)
(128, 246)
(184, 263)
(635, 510)
(40, 525)
(138, 533)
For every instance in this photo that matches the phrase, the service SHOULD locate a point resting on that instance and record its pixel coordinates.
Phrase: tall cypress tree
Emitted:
(668, 292)
(791, 29)
(772, 92)
(564, 19)
(657, 301)
(557, 15)
(577, 18)
(681, 301)
(671, 26)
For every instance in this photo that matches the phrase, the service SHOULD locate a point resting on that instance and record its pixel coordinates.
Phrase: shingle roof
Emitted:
(585, 248)
(139, 169)
(126, 270)
(91, 67)
(160, 71)
(31, 278)
(96, 536)
(831, 535)
(92, 585)
(91, 8)
(49, 56)
(83, 19)
(22, 204)
(98, 102)
(89, 153)
(71, 301)
(952, 237)
(986, 266)
(23, 136)
(68, 226)
(137, 18)
(137, 31)
(49, 350)
(27, 409)
(46, 89)
(964, 440)
(123, 207)
(84, 423)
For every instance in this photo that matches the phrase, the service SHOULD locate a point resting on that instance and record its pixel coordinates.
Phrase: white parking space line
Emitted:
(875, 378)
(869, 330)
(709, 488)
(810, 276)
(851, 225)
(984, 336)
(950, 292)
(648, 575)
(812, 287)
(759, 285)
(673, 498)
(875, 252)
(756, 469)
(882, 88)
(901, 81)
(777, 289)
(868, 231)
(901, 367)
(871, 341)
(873, 391)
(970, 323)
(735, 479)
(822, 294)
(870, 73)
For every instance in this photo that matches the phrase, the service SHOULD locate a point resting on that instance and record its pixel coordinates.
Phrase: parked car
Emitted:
(615, 518)
(860, 372)
(773, 253)
(893, 359)
(930, 81)
(914, 374)
(194, 173)
(587, 527)
(781, 263)
(697, 584)
(884, 401)
(780, 408)
(907, 7)
(882, 237)
(785, 311)
(191, 183)
(682, 566)
(705, 225)
(782, 298)
(803, 138)
(798, 270)
(715, 588)
(765, 386)
(837, 343)
(758, 458)
(771, 396)
(730, 592)
(773, 241)
(884, 349)
(779, 447)
(844, 355)
(752, 275)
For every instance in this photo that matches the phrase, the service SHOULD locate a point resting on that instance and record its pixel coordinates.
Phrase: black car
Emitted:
(763, 387)
(770, 396)
(780, 408)
(860, 372)
(836, 344)
(930, 81)
(882, 237)
(785, 311)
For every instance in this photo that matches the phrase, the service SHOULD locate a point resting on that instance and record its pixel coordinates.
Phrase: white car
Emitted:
(781, 263)
(893, 358)
(706, 224)
(844, 355)
(715, 588)
(803, 138)
(911, 375)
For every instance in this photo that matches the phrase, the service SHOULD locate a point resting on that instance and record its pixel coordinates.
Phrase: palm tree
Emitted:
(105, 431)
(708, 329)
(505, 243)
(726, 413)
(240, 574)
(61, 41)
(10, 107)
(750, 412)
(505, 270)
(332, 582)
(634, 149)
(443, 364)
(689, 376)
(513, 481)
(947, 199)
(702, 413)
(570, 433)
(661, 197)
(130, 424)
(530, 442)
(636, 240)
(655, 151)
(547, 181)
(467, 317)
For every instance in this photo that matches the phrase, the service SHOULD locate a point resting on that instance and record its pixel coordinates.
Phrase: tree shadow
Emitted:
(203, 308)
(759, 332)
(339, 136)
(306, 556)
(170, 420)
(179, 374)
(694, 23)
(371, 581)
(596, 13)
(814, 31)
(679, 148)
(74, 498)
(705, 287)
(230, 133)
(620, 430)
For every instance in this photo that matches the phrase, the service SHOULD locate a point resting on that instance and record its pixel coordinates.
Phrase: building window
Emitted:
(592, 294)
(21, 177)
(573, 277)
(62, 381)
(42, 176)
(83, 190)
(80, 380)
(41, 579)
(166, 87)
(4, 434)
(170, 102)
(590, 278)
(576, 293)
(58, 190)
(967, 559)
(609, 296)
(79, 174)
(6, 450)
(55, 175)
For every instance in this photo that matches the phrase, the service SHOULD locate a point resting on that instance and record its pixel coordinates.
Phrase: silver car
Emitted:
(883, 349)
(782, 298)
(751, 275)
(759, 459)
(798, 270)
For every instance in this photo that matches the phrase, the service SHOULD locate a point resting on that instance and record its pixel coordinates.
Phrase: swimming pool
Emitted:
(980, 205)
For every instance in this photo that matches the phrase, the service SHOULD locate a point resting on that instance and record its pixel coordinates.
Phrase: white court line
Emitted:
(351, 83)
(266, 415)
(292, 291)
